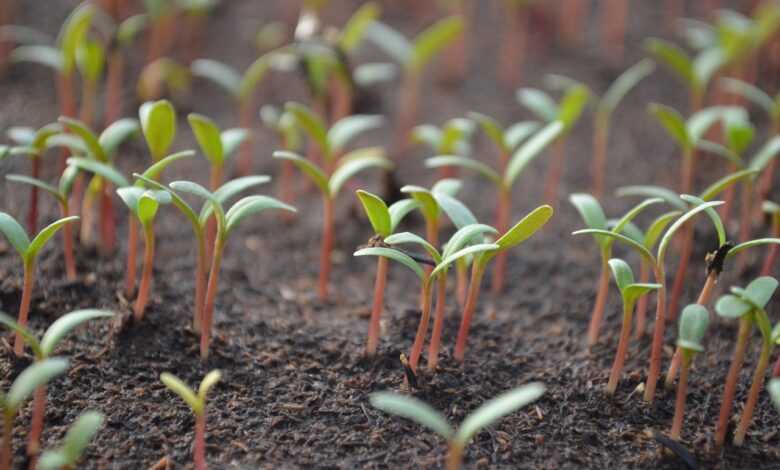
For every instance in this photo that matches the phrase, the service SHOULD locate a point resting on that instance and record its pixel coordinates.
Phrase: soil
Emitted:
(296, 384)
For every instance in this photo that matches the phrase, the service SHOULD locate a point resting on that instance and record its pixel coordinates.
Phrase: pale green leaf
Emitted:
(177, 386)
(29, 338)
(765, 155)
(74, 31)
(232, 139)
(38, 184)
(731, 306)
(85, 134)
(101, 169)
(673, 123)
(354, 164)
(644, 252)
(207, 383)
(312, 124)
(464, 162)
(390, 41)
(456, 211)
(115, 134)
(67, 323)
(34, 376)
(220, 74)
(158, 122)
(350, 127)
(158, 167)
(468, 234)
(669, 235)
(531, 149)
(674, 58)
(377, 212)
(394, 255)
(539, 103)
(400, 209)
(413, 409)
(411, 238)
(624, 84)
(431, 41)
(45, 235)
(208, 136)
(634, 291)
(694, 321)
(488, 250)
(669, 196)
(42, 55)
(522, 230)
(719, 186)
(622, 273)
(252, 205)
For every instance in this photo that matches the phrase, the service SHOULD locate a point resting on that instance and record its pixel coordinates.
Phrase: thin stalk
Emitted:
(67, 244)
(200, 284)
(658, 336)
(132, 248)
(513, 46)
(679, 403)
(597, 316)
(32, 215)
(8, 430)
(67, 102)
(341, 99)
(88, 101)
(199, 456)
(622, 350)
(755, 390)
(146, 275)
(215, 181)
(195, 23)
(555, 172)
(613, 29)
(727, 402)
(682, 268)
(376, 309)
(438, 322)
(24, 307)
(211, 294)
(455, 456)
(770, 263)
(422, 328)
(461, 271)
(36, 425)
(114, 82)
(326, 247)
(641, 306)
(599, 161)
(477, 271)
(502, 224)
(88, 216)
(107, 224)
(672, 12)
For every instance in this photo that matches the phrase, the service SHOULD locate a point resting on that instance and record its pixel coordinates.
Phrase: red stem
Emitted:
(67, 103)
(728, 197)
(326, 247)
(502, 224)
(88, 99)
(32, 216)
(376, 309)
(729, 390)
(88, 216)
(422, 328)
(211, 294)
(755, 390)
(24, 307)
(599, 161)
(555, 172)
(36, 425)
(658, 336)
(199, 456)
(468, 311)
(114, 82)
(597, 316)
(641, 306)
(146, 276)
(215, 181)
(513, 47)
(67, 244)
(132, 248)
(438, 322)
(200, 284)
(679, 403)
(570, 17)
(462, 282)
(620, 356)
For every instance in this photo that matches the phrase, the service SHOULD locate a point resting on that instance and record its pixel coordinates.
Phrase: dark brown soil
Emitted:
(295, 389)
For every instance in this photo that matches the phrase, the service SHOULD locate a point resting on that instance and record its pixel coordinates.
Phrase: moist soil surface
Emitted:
(296, 384)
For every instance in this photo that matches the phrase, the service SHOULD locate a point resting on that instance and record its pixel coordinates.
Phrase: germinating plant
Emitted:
(43, 350)
(74, 444)
(30, 379)
(748, 306)
(384, 219)
(61, 193)
(227, 221)
(283, 123)
(694, 321)
(457, 439)
(91, 61)
(197, 403)
(452, 138)
(514, 158)
(28, 250)
(630, 292)
(567, 111)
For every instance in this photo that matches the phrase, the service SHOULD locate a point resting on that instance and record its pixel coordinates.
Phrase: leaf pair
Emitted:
(630, 291)
(384, 219)
(217, 145)
(195, 400)
(17, 236)
(751, 300)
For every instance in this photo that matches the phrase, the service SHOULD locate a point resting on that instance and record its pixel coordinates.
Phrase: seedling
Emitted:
(199, 223)
(514, 157)
(100, 148)
(414, 56)
(91, 61)
(457, 440)
(593, 215)
(283, 123)
(520, 232)
(28, 250)
(75, 443)
(217, 145)
(31, 379)
(694, 321)
(43, 350)
(158, 123)
(330, 182)
(568, 111)
(460, 246)
(384, 221)
(451, 139)
(243, 90)
(748, 305)
(605, 107)
(657, 265)
(771, 258)
(630, 293)
(133, 192)
(197, 403)
(227, 221)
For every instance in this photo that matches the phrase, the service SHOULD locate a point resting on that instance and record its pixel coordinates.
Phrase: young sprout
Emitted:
(91, 61)
(100, 148)
(593, 215)
(107, 172)
(773, 210)
(158, 123)
(30, 379)
(694, 321)
(33, 144)
(605, 107)
(62, 57)
(457, 440)
(630, 292)
(384, 221)
(414, 56)
(656, 262)
(217, 145)
(29, 251)
(451, 139)
(329, 181)
(520, 232)
(514, 157)
(199, 223)
(567, 111)
(123, 35)
(748, 306)
(197, 403)
(243, 90)
(43, 349)
(76, 440)
(144, 204)
(283, 123)
(227, 221)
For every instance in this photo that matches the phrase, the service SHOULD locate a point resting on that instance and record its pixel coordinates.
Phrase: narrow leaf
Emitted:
(413, 409)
